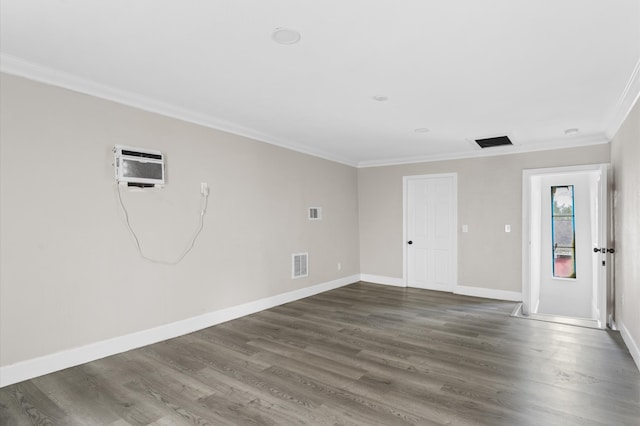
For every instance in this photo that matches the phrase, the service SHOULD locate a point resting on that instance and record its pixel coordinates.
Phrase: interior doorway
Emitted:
(565, 260)
(430, 231)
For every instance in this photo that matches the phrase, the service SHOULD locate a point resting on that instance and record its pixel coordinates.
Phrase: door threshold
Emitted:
(578, 322)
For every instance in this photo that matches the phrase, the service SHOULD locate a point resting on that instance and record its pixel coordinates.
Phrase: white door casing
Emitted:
(532, 241)
(430, 231)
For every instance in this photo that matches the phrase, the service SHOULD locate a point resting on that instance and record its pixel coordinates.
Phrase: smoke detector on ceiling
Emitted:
(285, 36)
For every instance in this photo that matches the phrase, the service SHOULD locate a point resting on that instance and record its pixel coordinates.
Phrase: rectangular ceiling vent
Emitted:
(492, 142)
(300, 265)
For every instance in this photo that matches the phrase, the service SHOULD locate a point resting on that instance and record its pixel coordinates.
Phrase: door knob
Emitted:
(604, 250)
(409, 242)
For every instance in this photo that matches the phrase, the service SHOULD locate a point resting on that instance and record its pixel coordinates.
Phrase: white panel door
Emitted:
(431, 232)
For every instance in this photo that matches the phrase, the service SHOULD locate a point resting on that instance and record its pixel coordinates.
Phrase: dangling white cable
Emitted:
(203, 209)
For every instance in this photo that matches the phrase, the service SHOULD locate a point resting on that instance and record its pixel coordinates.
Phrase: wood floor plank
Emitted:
(362, 354)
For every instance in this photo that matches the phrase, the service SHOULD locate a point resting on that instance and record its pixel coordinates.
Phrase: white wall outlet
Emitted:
(465, 228)
(507, 228)
(339, 266)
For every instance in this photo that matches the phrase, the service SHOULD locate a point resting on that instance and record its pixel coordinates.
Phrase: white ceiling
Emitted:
(464, 69)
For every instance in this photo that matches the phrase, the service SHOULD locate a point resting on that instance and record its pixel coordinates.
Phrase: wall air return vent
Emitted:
(315, 213)
(300, 265)
(492, 142)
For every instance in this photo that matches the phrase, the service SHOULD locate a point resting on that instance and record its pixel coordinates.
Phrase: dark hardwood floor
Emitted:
(360, 355)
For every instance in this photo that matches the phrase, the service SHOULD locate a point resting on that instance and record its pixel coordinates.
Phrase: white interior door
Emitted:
(430, 231)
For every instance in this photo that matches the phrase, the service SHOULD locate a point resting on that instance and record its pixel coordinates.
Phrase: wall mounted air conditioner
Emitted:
(138, 166)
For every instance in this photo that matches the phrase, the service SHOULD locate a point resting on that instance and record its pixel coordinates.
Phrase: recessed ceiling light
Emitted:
(570, 132)
(285, 36)
(421, 130)
(380, 98)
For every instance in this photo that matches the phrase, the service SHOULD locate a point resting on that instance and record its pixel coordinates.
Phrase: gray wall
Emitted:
(489, 197)
(625, 156)
(70, 274)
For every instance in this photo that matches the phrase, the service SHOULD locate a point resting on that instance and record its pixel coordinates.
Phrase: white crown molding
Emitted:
(572, 142)
(35, 367)
(15, 66)
(625, 104)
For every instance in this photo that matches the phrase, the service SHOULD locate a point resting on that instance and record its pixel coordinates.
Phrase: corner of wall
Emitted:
(633, 347)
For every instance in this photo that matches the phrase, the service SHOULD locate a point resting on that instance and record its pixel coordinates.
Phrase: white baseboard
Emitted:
(379, 279)
(29, 369)
(631, 344)
(488, 293)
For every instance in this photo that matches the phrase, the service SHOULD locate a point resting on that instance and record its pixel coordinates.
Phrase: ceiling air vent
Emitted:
(300, 265)
(491, 142)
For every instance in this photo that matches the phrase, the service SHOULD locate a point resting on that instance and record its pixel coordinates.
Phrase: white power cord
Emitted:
(203, 209)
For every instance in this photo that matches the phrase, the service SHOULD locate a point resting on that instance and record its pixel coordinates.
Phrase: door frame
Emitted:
(405, 224)
(604, 218)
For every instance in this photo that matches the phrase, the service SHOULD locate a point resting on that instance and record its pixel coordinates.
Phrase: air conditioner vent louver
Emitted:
(138, 166)
(493, 142)
(300, 265)
(141, 154)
